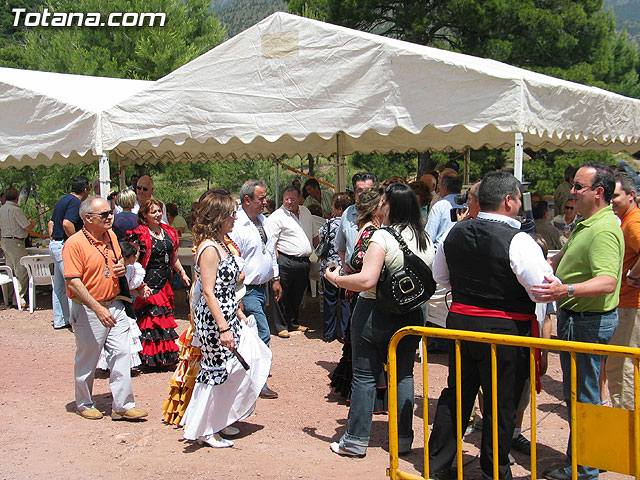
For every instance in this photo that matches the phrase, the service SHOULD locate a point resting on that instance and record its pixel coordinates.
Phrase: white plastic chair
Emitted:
(39, 270)
(6, 277)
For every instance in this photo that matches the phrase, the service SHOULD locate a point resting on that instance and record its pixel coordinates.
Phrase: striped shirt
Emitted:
(13, 223)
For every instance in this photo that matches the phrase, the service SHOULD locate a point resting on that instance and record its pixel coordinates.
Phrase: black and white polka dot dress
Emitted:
(214, 357)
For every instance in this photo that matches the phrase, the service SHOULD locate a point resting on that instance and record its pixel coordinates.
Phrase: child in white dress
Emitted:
(135, 279)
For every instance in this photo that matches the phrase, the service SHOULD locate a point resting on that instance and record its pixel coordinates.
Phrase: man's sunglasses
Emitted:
(104, 215)
(142, 188)
(579, 186)
(568, 208)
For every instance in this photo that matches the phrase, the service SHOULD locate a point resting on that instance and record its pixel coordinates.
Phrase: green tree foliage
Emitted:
(127, 52)
(239, 15)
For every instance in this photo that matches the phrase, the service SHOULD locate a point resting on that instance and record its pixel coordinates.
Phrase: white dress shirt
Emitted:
(293, 233)
(525, 257)
(261, 264)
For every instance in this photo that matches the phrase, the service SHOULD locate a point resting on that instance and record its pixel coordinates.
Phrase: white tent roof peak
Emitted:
(290, 85)
(53, 118)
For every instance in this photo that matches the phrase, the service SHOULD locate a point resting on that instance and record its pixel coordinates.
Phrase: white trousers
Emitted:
(91, 337)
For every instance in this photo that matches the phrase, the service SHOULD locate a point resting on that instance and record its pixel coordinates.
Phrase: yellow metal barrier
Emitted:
(590, 423)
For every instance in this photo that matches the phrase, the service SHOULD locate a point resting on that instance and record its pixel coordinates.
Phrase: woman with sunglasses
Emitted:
(158, 243)
(372, 329)
(235, 363)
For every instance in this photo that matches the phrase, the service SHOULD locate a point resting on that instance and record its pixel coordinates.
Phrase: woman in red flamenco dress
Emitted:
(158, 244)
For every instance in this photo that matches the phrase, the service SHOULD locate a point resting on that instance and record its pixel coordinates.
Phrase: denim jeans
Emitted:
(334, 301)
(254, 303)
(580, 328)
(61, 304)
(368, 363)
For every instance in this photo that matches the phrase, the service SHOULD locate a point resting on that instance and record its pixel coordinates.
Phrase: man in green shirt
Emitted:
(589, 267)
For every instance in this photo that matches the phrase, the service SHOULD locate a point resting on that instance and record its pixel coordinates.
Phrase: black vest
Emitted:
(480, 274)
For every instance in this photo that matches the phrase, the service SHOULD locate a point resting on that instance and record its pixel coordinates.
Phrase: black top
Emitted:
(480, 273)
(67, 208)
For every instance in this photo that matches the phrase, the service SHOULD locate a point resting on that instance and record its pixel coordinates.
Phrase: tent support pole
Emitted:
(122, 179)
(341, 183)
(517, 158)
(277, 184)
(105, 175)
(467, 165)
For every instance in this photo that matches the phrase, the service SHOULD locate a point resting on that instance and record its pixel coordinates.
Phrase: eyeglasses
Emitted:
(568, 208)
(104, 215)
(145, 189)
(234, 214)
(577, 186)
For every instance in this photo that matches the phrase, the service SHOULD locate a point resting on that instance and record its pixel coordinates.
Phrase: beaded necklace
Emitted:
(105, 254)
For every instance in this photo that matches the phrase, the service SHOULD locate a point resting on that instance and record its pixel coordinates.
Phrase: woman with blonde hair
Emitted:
(235, 363)
(125, 220)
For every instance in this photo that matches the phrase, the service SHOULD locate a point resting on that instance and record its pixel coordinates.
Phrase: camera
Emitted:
(112, 195)
(462, 198)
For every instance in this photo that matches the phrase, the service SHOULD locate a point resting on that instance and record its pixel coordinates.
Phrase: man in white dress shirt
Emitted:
(292, 227)
(258, 249)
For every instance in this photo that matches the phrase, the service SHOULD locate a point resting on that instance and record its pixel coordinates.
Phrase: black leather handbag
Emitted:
(408, 288)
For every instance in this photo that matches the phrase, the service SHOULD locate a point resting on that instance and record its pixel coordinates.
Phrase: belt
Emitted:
(262, 285)
(104, 303)
(15, 238)
(58, 239)
(586, 314)
(299, 259)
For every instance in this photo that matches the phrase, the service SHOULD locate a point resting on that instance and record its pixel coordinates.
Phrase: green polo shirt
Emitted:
(595, 248)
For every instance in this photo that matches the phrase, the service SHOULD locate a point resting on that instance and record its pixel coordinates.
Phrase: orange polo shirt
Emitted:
(83, 260)
(630, 297)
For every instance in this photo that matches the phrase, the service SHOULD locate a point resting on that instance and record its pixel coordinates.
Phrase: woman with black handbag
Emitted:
(372, 328)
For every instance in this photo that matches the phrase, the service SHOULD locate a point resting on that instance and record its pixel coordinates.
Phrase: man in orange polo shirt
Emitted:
(91, 271)
(620, 369)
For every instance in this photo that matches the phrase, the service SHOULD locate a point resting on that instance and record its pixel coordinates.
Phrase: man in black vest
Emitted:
(490, 266)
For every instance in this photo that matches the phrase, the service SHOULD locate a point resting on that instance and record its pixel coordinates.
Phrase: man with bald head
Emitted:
(92, 267)
(144, 191)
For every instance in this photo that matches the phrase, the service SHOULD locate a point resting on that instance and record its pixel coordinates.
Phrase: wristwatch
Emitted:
(276, 279)
(571, 291)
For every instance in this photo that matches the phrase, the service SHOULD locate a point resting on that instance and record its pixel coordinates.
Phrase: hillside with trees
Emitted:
(627, 16)
(238, 15)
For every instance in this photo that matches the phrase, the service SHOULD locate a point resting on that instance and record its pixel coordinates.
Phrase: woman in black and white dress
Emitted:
(225, 391)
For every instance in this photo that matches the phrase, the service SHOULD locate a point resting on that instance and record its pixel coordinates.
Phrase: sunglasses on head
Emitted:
(145, 189)
(104, 215)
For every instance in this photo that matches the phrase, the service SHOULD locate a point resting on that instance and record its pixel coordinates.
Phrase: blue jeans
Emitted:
(334, 300)
(369, 358)
(254, 303)
(580, 328)
(61, 304)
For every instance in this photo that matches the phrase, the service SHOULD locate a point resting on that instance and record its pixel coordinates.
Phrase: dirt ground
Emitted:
(286, 438)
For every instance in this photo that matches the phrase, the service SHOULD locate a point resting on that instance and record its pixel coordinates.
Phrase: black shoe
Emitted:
(559, 473)
(444, 474)
(327, 339)
(521, 444)
(266, 392)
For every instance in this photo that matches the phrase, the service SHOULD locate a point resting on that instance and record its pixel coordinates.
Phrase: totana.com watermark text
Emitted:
(88, 19)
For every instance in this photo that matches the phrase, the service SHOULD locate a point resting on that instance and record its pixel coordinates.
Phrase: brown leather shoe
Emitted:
(284, 334)
(302, 328)
(132, 414)
(90, 414)
(266, 392)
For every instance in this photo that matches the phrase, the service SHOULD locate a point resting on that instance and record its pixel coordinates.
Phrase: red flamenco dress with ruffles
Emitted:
(155, 314)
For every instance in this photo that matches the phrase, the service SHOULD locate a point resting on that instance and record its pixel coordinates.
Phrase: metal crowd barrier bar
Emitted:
(602, 437)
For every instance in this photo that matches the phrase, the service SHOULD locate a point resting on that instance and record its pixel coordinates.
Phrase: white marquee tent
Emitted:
(292, 85)
(52, 118)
